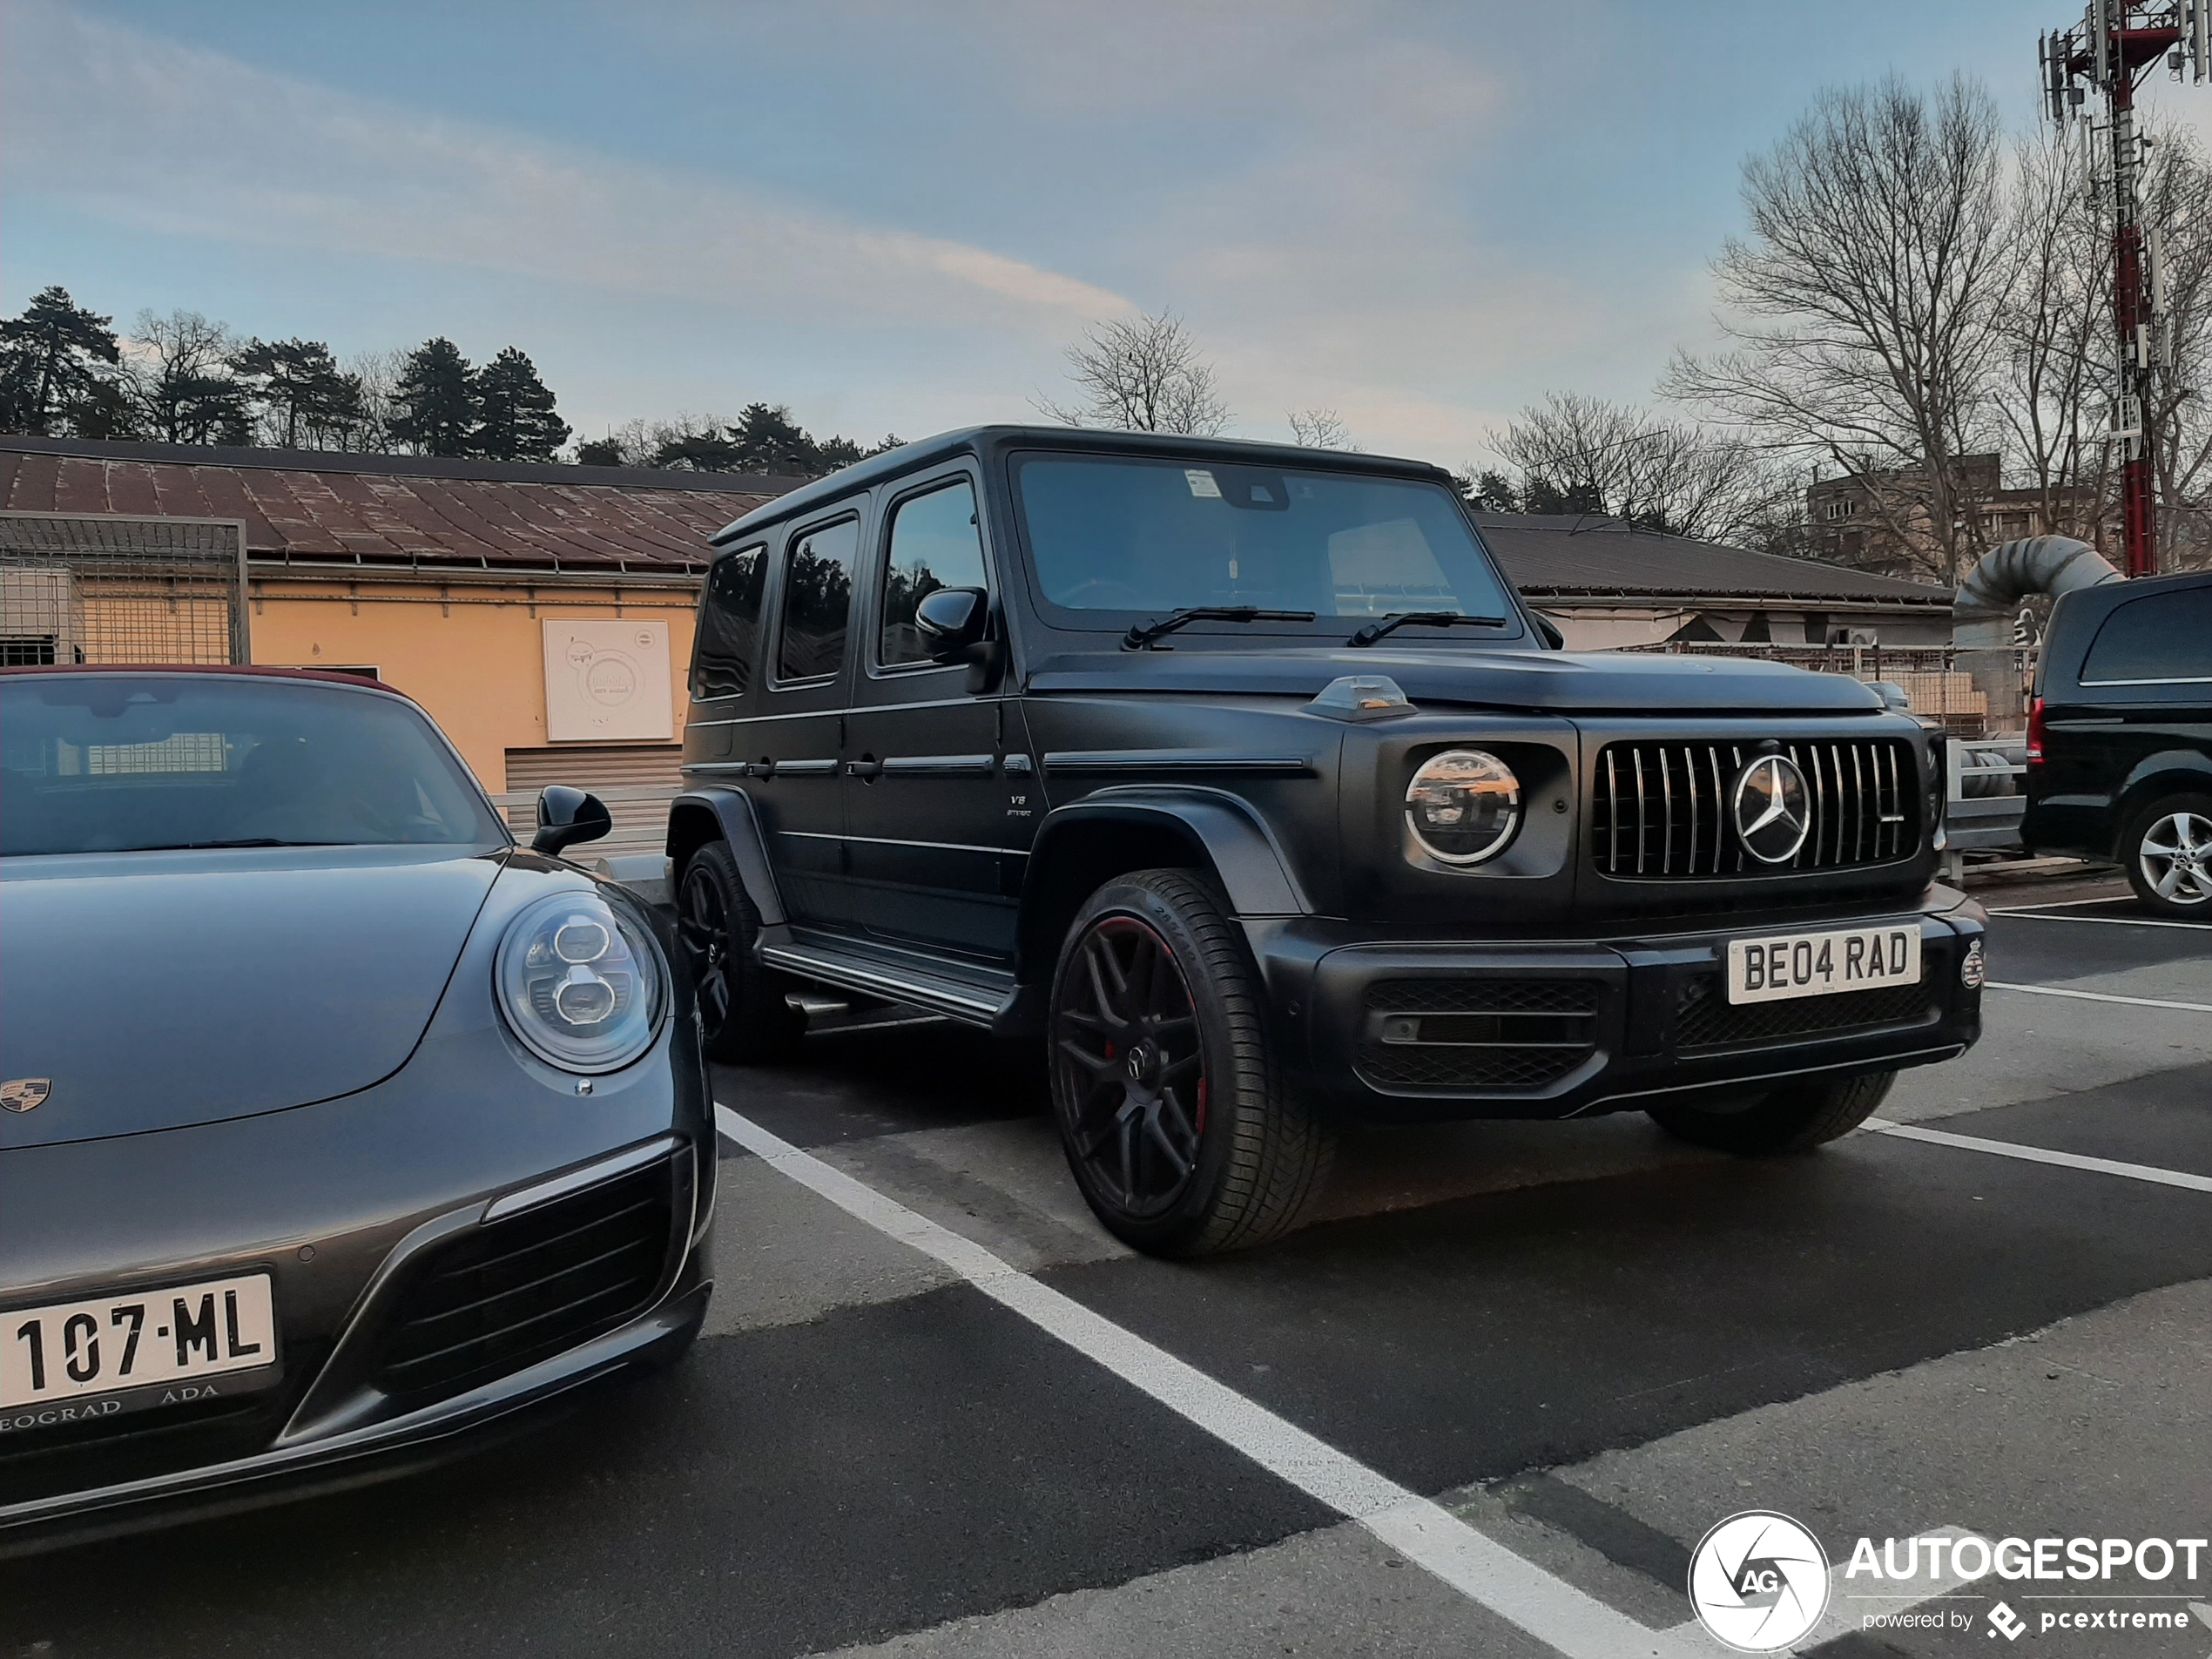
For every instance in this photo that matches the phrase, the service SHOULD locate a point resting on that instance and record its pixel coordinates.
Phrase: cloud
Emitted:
(154, 135)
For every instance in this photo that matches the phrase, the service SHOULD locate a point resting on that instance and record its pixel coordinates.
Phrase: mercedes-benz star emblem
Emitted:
(1773, 813)
(25, 1094)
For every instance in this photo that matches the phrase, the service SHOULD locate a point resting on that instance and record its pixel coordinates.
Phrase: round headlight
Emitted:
(1463, 806)
(580, 985)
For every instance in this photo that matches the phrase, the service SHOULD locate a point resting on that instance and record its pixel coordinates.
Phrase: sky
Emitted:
(894, 215)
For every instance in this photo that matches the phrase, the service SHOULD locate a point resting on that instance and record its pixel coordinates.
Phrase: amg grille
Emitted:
(1477, 1034)
(522, 1289)
(1662, 810)
(1705, 1018)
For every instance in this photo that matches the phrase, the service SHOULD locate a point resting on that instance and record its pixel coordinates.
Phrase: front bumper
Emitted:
(1548, 1029)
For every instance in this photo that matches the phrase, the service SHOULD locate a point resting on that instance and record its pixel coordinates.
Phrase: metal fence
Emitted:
(111, 588)
(1974, 692)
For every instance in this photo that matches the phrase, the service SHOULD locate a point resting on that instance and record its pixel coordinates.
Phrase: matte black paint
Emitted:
(1085, 760)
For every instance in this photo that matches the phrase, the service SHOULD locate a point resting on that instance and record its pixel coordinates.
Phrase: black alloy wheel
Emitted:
(744, 1017)
(1127, 1041)
(1795, 1117)
(1177, 1125)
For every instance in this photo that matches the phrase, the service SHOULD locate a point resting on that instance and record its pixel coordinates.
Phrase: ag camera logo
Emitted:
(1758, 1581)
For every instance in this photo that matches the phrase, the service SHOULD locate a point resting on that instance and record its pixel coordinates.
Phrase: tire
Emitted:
(744, 1019)
(1182, 1132)
(2167, 849)
(1794, 1118)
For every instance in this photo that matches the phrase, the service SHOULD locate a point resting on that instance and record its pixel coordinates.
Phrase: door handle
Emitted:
(869, 767)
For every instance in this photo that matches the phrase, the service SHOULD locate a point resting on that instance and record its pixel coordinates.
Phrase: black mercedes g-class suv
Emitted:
(2120, 740)
(1239, 778)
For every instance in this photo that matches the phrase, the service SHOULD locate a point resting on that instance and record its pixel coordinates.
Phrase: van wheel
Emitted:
(1180, 1129)
(2167, 850)
(1794, 1118)
(743, 1015)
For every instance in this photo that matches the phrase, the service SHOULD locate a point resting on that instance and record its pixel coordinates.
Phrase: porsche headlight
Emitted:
(579, 985)
(1463, 806)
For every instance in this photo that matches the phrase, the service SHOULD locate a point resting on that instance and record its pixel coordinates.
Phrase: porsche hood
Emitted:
(152, 991)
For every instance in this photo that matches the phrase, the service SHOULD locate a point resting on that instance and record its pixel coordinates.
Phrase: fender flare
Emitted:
(1218, 831)
(734, 822)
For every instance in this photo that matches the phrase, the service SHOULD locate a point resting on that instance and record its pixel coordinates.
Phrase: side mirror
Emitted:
(1549, 630)
(567, 816)
(950, 620)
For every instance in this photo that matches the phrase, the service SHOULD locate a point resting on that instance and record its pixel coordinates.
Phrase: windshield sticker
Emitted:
(1202, 483)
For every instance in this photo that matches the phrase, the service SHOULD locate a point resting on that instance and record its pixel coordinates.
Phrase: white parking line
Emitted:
(2101, 996)
(2043, 1155)
(1485, 1571)
(2109, 921)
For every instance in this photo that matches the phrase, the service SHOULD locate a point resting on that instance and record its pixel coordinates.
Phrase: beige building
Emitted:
(542, 614)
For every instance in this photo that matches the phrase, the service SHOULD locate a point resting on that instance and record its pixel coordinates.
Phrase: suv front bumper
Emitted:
(1418, 1029)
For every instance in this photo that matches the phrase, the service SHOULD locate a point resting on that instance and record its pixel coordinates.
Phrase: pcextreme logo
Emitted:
(1758, 1581)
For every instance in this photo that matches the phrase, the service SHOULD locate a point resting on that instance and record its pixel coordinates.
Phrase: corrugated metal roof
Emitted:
(1569, 556)
(385, 510)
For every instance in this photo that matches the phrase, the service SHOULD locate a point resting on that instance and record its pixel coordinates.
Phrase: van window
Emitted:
(2159, 636)
(818, 596)
(729, 624)
(935, 543)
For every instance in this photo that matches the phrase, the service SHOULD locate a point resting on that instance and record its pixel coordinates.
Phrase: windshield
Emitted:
(1132, 537)
(91, 763)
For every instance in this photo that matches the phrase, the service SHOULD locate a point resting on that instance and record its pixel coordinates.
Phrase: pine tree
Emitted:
(49, 360)
(300, 388)
(769, 441)
(514, 415)
(435, 402)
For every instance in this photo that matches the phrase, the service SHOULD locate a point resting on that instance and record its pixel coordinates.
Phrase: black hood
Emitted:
(1551, 682)
(161, 989)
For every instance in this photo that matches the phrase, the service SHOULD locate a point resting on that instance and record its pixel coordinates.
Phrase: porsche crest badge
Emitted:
(25, 1094)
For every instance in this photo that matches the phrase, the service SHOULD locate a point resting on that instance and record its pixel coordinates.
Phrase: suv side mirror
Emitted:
(1549, 630)
(950, 620)
(567, 816)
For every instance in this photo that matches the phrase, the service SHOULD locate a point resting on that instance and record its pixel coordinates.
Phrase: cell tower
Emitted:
(2109, 50)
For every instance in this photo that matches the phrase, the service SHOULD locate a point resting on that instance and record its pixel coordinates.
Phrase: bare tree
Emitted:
(1579, 454)
(2178, 202)
(177, 371)
(1866, 305)
(1319, 430)
(1142, 375)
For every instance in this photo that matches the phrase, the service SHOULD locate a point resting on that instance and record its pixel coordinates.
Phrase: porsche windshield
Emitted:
(1133, 536)
(128, 763)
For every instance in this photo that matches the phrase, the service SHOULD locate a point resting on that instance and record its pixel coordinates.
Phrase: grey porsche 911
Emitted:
(336, 1123)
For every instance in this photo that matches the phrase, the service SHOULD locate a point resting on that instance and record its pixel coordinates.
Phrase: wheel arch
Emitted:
(1086, 843)
(2169, 772)
(699, 816)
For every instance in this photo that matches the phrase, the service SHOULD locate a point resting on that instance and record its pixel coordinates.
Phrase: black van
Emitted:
(2119, 743)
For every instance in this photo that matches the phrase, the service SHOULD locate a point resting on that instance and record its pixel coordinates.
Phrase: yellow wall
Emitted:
(472, 655)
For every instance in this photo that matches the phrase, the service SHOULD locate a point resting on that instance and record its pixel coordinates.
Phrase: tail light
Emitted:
(2036, 732)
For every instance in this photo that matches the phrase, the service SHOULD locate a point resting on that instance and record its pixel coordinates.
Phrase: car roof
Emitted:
(992, 441)
(259, 671)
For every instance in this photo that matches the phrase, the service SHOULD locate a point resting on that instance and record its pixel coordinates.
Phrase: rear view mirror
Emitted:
(566, 817)
(949, 620)
(1549, 630)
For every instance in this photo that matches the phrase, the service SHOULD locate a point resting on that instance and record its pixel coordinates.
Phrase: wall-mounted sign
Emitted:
(605, 681)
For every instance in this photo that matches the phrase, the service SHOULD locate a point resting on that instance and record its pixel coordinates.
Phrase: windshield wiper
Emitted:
(1375, 630)
(1141, 636)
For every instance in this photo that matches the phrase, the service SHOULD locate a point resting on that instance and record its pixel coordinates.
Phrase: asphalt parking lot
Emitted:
(939, 1412)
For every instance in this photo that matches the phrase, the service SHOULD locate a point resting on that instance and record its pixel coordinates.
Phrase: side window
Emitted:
(2161, 636)
(935, 543)
(729, 636)
(818, 596)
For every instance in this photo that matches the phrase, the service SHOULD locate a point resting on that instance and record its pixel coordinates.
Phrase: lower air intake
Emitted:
(522, 1289)
(1475, 1033)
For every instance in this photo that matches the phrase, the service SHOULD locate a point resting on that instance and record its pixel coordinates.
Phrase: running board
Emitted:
(955, 999)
